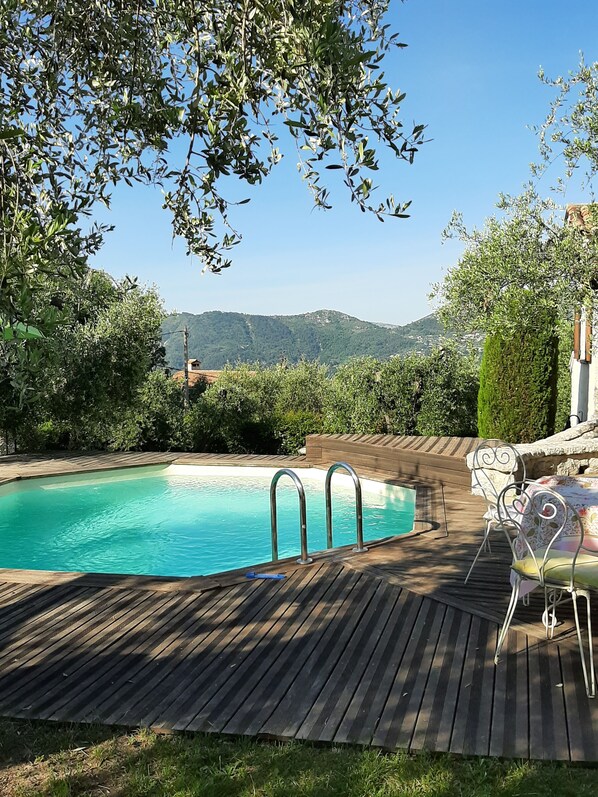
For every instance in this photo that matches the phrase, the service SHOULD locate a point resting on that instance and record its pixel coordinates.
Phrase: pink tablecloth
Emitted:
(581, 494)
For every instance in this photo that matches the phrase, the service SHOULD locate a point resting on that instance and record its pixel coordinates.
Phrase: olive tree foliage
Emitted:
(254, 409)
(93, 364)
(570, 130)
(418, 394)
(154, 420)
(431, 394)
(180, 94)
(102, 363)
(302, 388)
(521, 262)
(352, 402)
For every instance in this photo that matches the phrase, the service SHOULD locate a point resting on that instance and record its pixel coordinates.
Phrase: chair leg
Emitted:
(487, 537)
(508, 618)
(592, 690)
(590, 680)
(549, 617)
(484, 546)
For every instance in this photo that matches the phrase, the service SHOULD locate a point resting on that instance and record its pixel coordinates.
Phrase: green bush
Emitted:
(449, 395)
(563, 390)
(44, 436)
(401, 388)
(302, 387)
(518, 384)
(430, 394)
(233, 417)
(352, 402)
(252, 409)
(154, 422)
(292, 428)
(272, 410)
(203, 429)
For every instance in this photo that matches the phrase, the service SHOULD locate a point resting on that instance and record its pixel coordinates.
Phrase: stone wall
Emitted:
(567, 453)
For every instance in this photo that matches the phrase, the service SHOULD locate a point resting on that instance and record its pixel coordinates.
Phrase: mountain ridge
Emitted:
(217, 337)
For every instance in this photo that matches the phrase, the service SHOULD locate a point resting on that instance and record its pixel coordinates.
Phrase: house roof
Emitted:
(195, 376)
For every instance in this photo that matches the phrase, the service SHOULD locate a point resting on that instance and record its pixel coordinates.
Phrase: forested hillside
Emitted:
(332, 337)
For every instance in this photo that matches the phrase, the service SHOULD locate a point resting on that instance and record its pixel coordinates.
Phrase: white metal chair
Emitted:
(490, 458)
(549, 550)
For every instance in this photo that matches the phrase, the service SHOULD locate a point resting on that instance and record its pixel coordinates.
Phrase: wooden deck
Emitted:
(387, 648)
(30, 466)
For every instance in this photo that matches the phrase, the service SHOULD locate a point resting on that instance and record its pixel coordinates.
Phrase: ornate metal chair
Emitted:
(549, 551)
(504, 460)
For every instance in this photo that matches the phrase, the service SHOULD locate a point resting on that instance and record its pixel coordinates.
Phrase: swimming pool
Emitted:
(181, 520)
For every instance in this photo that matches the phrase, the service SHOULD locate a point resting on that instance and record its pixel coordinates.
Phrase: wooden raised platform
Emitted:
(427, 459)
(387, 648)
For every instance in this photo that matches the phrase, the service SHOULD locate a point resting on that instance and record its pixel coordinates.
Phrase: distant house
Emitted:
(196, 374)
(584, 366)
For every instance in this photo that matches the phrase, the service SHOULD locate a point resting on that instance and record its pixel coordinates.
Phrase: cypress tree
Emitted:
(517, 398)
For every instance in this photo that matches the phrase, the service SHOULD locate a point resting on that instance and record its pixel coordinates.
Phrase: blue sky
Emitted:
(470, 73)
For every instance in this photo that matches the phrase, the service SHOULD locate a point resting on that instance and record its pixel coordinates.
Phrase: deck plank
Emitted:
(218, 650)
(291, 683)
(47, 662)
(219, 671)
(435, 721)
(368, 702)
(326, 713)
(155, 679)
(231, 704)
(398, 719)
(289, 713)
(548, 737)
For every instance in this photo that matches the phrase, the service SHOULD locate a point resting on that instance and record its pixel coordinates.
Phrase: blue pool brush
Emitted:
(275, 576)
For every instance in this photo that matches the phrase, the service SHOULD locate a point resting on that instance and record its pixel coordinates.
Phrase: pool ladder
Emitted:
(305, 558)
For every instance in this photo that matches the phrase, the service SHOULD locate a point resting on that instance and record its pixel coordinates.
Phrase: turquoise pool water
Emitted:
(177, 524)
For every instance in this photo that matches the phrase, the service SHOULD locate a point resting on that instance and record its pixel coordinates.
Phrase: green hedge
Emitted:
(518, 384)
(563, 404)
(252, 409)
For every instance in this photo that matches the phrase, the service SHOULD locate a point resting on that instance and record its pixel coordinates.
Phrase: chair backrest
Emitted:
(545, 523)
(494, 466)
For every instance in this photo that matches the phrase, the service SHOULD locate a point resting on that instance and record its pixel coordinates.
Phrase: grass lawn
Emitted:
(62, 760)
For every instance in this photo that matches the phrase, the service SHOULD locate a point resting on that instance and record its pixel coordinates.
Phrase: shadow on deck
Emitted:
(387, 648)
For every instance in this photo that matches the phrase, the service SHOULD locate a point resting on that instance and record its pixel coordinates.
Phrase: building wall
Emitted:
(593, 373)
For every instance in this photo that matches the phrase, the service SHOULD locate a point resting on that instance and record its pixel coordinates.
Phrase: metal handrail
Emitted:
(360, 547)
(305, 557)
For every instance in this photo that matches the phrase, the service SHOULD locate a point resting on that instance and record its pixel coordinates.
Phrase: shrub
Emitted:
(292, 428)
(44, 436)
(203, 429)
(518, 384)
(302, 387)
(352, 402)
(154, 421)
(563, 389)
(449, 397)
(402, 381)
(252, 409)
(230, 418)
